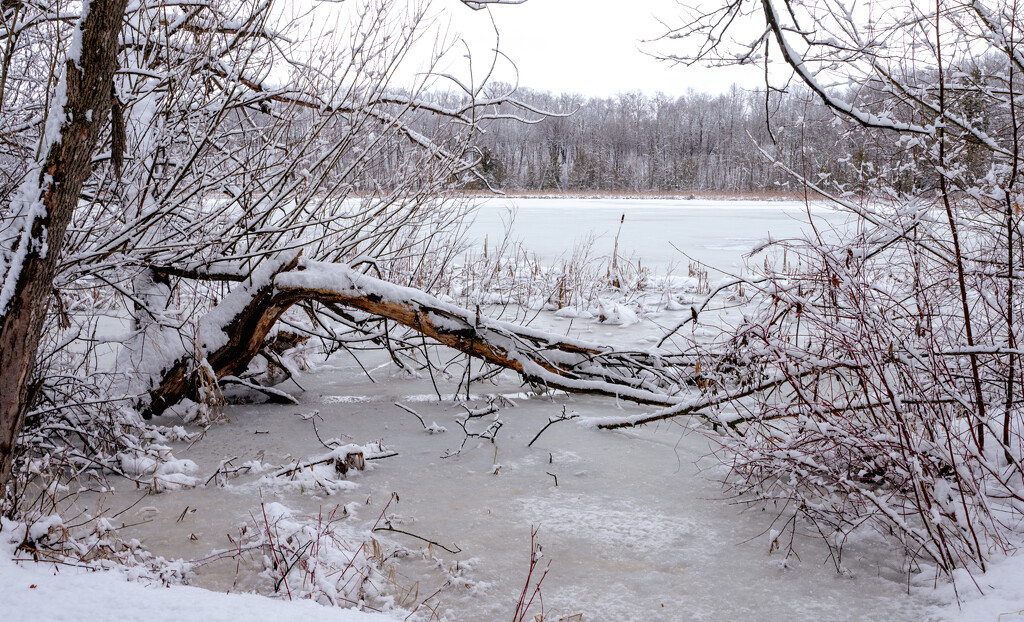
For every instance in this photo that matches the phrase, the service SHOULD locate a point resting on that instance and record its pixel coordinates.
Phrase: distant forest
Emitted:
(696, 142)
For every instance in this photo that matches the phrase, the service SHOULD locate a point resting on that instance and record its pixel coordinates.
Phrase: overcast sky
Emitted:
(591, 47)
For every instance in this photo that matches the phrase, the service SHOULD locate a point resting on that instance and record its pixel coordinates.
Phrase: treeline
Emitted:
(695, 142)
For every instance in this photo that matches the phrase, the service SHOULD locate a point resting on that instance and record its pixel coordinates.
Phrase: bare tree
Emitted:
(174, 153)
(42, 207)
(878, 381)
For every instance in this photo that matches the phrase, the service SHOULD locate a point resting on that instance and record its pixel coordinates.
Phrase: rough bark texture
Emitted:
(246, 334)
(67, 166)
(542, 359)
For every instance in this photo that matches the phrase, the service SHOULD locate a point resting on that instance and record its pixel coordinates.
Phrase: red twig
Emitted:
(523, 605)
(273, 551)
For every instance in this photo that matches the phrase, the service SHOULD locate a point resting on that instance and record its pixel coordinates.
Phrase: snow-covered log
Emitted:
(232, 333)
(230, 336)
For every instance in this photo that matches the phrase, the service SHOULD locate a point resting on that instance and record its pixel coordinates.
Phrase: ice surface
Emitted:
(635, 523)
(634, 529)
(657, 231)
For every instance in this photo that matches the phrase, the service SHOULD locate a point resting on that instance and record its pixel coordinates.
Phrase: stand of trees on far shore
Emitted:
(697, 142)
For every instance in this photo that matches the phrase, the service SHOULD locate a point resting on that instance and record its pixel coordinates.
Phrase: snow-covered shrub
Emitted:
(878, 382)
(95, 545)
(867, 413)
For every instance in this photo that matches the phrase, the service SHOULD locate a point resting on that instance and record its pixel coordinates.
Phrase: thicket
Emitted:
(877, 383)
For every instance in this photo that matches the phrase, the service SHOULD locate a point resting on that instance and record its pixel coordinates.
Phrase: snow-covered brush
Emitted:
(312, 557)
(83, 429)
(95, 545)
(508, 274)
(846, 397)
(876, 380)
(324, 558)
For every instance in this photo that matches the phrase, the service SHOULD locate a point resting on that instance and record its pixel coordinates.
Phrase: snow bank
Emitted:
(1001, 596)
(39, 591)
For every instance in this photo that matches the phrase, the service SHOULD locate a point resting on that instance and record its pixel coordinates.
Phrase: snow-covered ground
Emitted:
(635, 524)
(45, 592)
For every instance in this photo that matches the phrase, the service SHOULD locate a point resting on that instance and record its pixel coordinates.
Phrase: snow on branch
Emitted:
(232, 333)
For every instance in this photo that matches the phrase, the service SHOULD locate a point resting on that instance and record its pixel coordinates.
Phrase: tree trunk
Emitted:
(246, 332)
(540, 358)
(44, 206)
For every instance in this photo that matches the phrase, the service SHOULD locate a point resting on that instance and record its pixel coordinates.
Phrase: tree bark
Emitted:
(246, 331)
(30, 264)
(540, 358)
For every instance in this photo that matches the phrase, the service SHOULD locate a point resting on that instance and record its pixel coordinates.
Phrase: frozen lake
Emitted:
(657, 231)
(635, 530)
(635, 524)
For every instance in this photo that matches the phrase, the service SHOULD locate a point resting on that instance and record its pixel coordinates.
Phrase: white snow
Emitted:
(633, 522)
(1001, 597)
(57, 592)
(212, 324)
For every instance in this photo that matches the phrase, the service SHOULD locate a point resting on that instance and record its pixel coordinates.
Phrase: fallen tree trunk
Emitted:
(231, 335)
